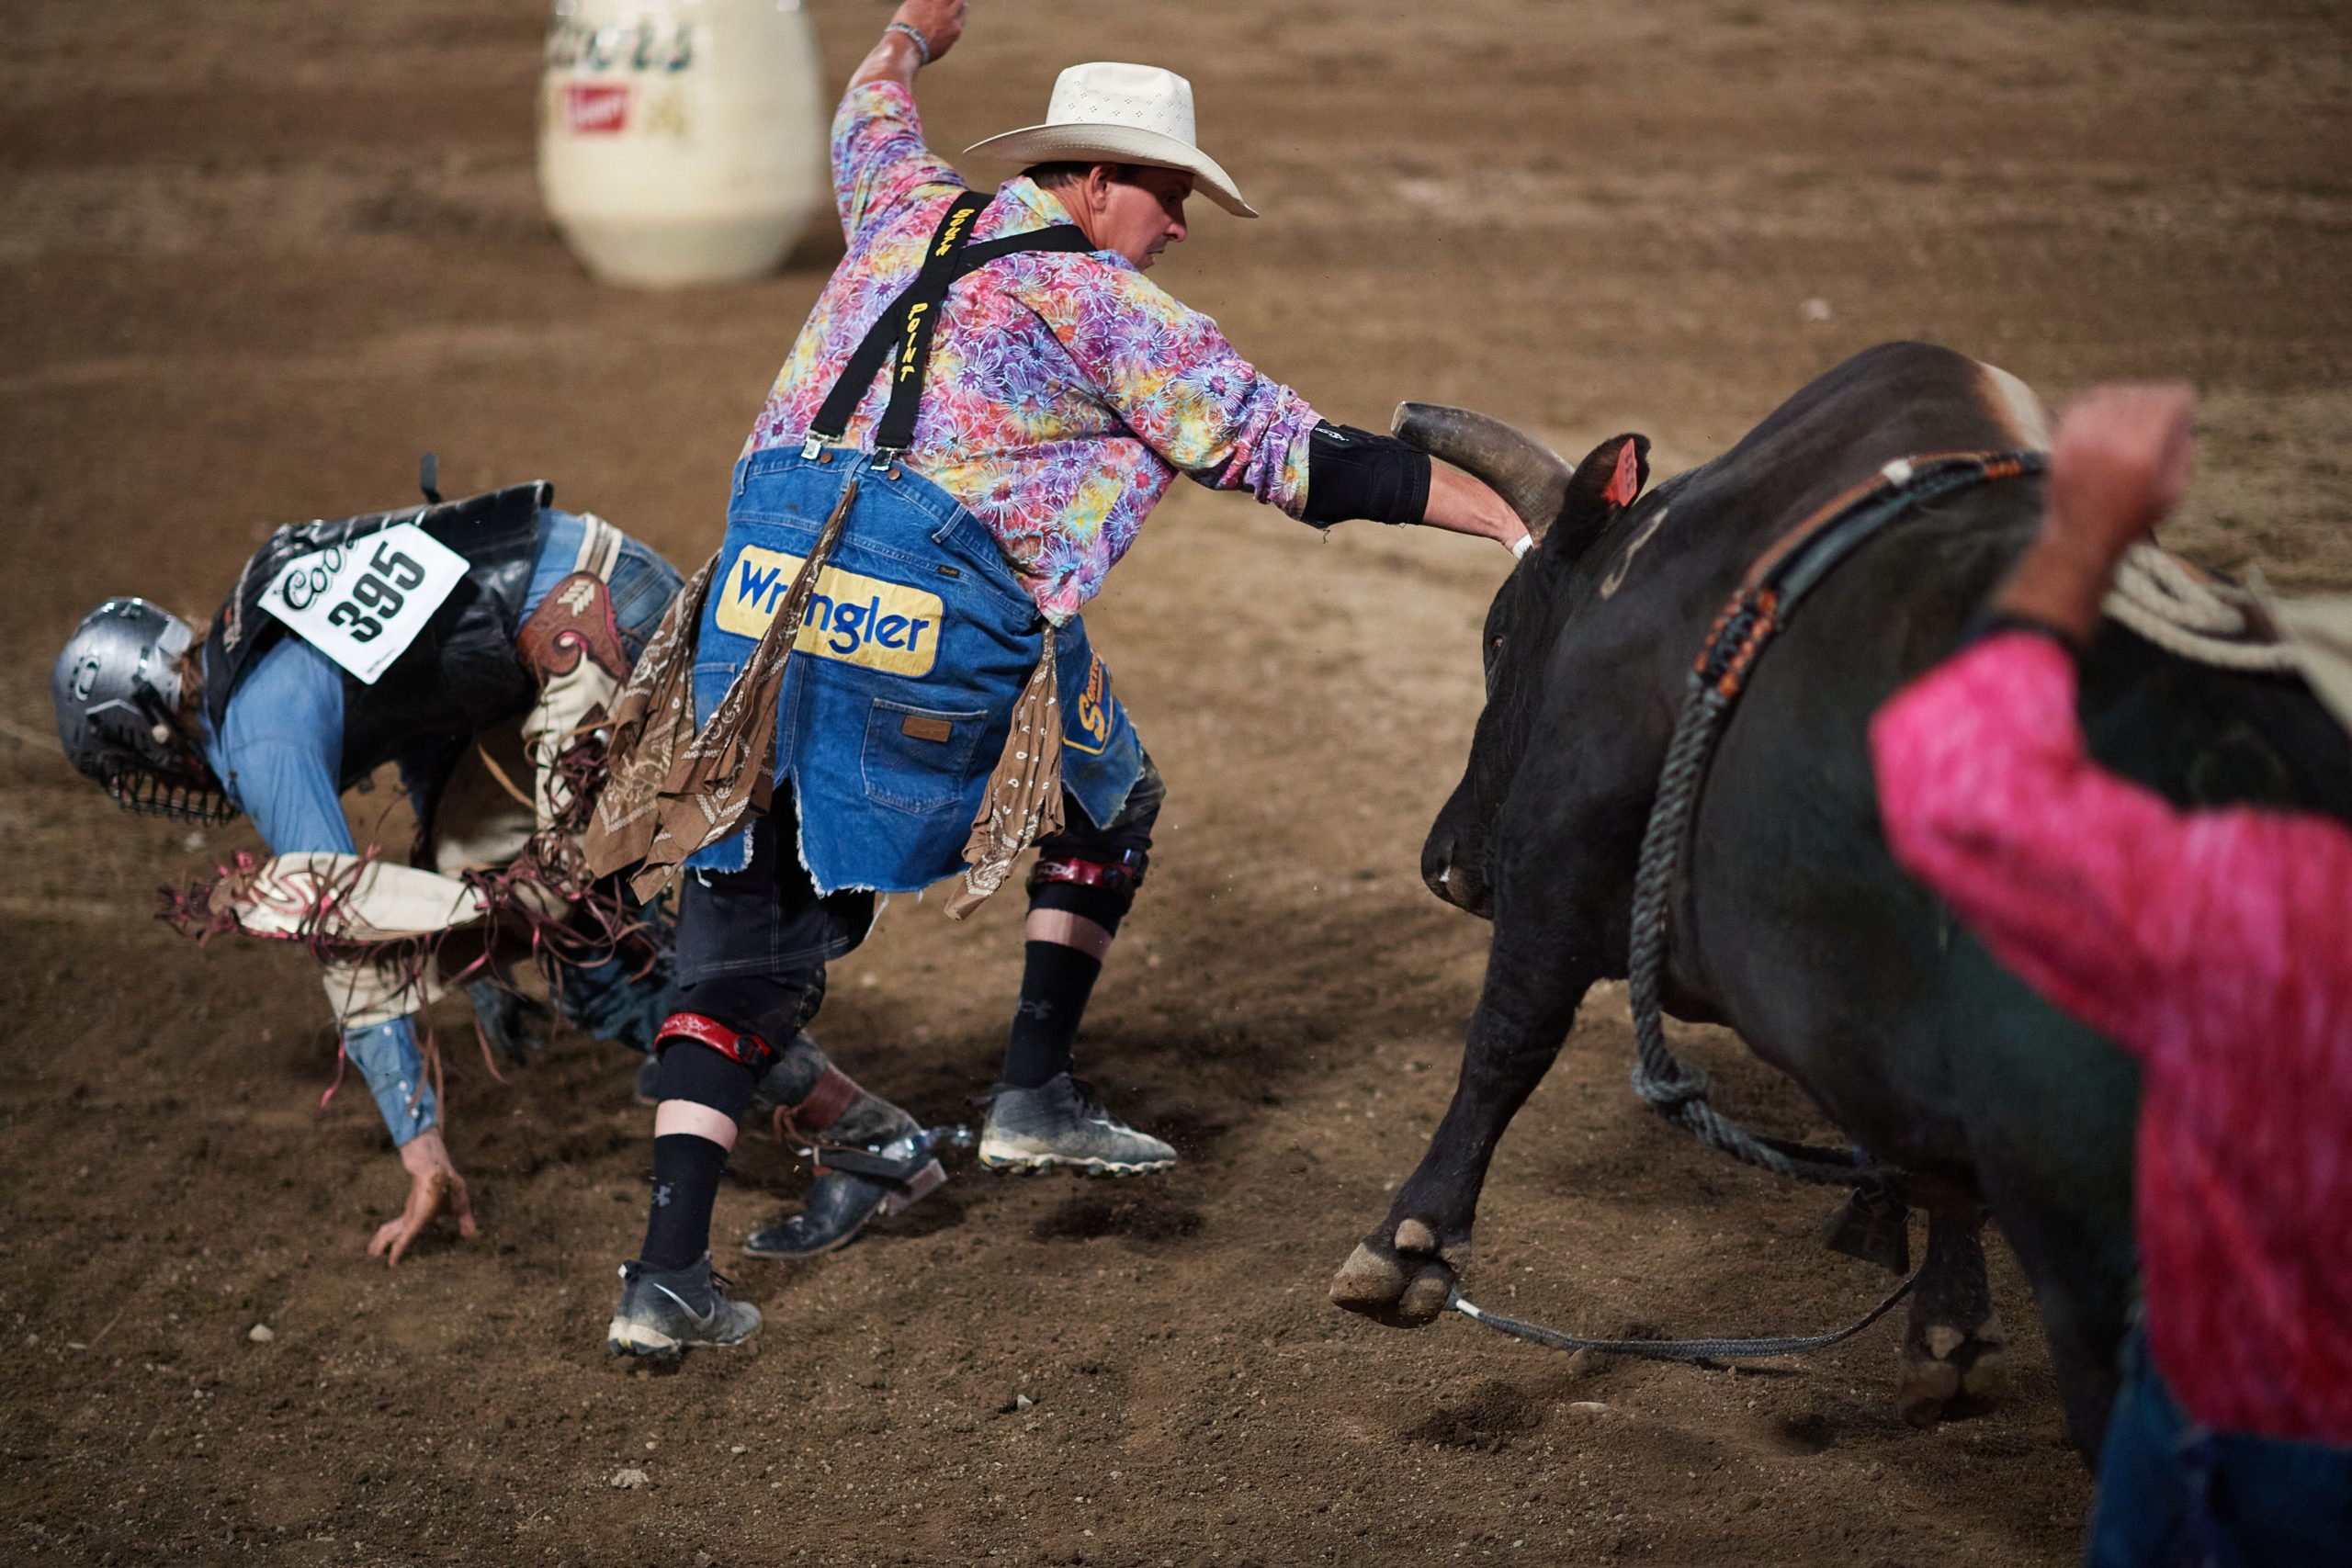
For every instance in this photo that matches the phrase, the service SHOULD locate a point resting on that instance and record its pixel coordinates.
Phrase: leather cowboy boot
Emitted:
(871, 1156)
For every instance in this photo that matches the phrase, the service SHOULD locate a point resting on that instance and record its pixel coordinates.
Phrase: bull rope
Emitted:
(1678, 1349)
(1789, 570)
(2167, 602)
(2155, 594)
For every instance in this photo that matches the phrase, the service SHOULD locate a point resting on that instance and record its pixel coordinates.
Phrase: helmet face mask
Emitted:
(117, 689)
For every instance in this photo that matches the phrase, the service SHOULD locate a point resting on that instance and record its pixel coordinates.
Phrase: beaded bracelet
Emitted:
(923, 44)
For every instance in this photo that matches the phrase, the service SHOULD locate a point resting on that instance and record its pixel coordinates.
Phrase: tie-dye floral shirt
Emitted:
(1065, 390)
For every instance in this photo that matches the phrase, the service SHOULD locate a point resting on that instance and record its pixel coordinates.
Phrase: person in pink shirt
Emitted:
(2213, 946)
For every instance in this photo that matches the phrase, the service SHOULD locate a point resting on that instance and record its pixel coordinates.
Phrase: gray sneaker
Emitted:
(1062, 1123)
(664, 1311)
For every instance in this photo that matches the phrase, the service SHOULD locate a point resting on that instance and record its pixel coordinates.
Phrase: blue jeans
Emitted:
(642, 586)
(2175, 1494)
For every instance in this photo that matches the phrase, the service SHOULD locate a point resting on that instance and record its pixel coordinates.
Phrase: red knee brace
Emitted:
(1122, 876)
(746, 1048)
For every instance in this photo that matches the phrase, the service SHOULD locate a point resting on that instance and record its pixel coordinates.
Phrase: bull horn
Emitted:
(1522, 471)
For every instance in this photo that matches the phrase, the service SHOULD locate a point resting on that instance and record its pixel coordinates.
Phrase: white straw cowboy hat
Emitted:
(1109, 113)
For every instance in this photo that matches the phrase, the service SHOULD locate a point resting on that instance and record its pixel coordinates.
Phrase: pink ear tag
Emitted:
(1627, 482)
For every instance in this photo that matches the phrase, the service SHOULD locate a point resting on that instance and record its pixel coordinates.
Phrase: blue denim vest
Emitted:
(899, 696)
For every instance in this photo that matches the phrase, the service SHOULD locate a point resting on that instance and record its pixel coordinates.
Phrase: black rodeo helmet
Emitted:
(117, 689)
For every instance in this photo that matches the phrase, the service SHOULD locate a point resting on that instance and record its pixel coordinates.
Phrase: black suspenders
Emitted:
(900, 338)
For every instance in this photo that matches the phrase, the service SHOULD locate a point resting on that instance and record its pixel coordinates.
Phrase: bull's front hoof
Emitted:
(1399, 1279)
(1949, 1371)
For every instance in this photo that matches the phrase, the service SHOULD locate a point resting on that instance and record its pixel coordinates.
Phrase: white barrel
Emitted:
(680, 141)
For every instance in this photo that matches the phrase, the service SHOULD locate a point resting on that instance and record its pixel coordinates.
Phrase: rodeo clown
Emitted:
(881, 679)
(474, 643)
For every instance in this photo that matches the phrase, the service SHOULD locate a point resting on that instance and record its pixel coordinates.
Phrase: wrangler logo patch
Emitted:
(1089, 728)
(852, 619)
(921, 727)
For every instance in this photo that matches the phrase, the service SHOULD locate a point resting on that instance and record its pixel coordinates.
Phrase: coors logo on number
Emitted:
(593, 110)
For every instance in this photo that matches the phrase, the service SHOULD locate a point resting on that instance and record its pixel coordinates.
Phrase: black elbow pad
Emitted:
(1354, 473)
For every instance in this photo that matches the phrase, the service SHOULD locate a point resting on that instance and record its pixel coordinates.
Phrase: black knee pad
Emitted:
(1094, 872)
(769, 1009)
(694, 1072)
(1095, 890)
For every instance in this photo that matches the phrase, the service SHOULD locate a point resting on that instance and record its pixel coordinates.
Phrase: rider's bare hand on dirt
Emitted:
(435, 1187)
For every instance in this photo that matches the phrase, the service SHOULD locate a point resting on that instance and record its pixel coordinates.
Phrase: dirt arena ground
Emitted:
(256, 256)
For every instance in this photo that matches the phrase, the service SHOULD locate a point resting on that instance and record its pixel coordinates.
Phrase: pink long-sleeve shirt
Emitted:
(2216, 947)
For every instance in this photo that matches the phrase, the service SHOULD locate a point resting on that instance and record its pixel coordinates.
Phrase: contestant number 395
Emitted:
(380, 591)
(363, 602)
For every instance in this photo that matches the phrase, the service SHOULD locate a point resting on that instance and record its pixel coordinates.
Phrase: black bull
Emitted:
(1792, 925)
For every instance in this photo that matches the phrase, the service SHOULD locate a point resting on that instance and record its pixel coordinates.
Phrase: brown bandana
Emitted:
(1025, 795)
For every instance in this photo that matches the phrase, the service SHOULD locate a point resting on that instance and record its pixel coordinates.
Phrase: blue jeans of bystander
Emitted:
(2175, 1494)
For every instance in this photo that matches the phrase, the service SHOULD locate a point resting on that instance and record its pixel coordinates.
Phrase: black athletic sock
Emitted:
(686, 1168)
(1055, 983)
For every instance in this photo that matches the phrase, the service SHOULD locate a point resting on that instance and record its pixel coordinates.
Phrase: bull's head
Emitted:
(1567, 509)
